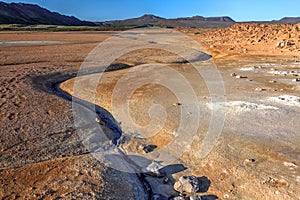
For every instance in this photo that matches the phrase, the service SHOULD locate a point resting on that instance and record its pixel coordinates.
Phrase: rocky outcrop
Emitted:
(187, 184)
(246, 38)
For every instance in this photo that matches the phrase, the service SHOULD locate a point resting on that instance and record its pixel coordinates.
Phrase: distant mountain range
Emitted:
(288, 20)
(29, 14)
(152, 20)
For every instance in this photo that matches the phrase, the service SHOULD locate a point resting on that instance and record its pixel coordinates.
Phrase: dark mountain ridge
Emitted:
(288, 20)
(152, 20)
(29, 14)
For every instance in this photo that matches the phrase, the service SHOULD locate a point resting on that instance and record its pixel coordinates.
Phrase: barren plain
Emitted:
(42, 152)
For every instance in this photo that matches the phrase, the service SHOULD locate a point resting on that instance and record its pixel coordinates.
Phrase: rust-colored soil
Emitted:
(41, 155)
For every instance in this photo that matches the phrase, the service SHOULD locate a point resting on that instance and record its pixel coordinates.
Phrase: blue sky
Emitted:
(239, 10)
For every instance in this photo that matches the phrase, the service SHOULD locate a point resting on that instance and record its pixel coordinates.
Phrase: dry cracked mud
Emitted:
(42, 156)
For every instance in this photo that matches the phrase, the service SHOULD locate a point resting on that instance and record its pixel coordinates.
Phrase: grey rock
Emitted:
(149, 148)
(154, 169)
(180, 198)
(187, 184)
(195, 197)
(158, 187)
(159, 197)
(209, 197)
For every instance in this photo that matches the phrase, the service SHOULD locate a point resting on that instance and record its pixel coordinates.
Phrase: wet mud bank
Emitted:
(51, 84)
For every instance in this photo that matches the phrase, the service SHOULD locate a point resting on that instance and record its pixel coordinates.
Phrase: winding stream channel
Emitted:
(111, 123)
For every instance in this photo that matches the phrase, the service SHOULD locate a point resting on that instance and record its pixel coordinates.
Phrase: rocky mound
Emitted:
(254, 37)
(260, 33)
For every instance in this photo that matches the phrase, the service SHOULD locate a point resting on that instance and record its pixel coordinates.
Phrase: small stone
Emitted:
(260, 89)
(272, 81)
(141, 147)
(290, 43)
(195, 197)
(177, 104)
(99, 121)
(233, 74)
(187, 184)
(276, 182)
(166, 180)
(296, 80)
(240, 76)
(226, 196)
(277, 192)
(249, 160)
(180, 198)
(287, 164)
(281, 44)
(147, 148)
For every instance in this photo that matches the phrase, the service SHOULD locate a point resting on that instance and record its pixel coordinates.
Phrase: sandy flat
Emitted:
(42, 152)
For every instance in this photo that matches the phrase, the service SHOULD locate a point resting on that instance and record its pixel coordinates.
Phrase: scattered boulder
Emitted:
(187, 184)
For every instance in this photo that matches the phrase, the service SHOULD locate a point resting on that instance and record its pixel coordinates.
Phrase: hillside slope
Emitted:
(196, 21)
(29, 14)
